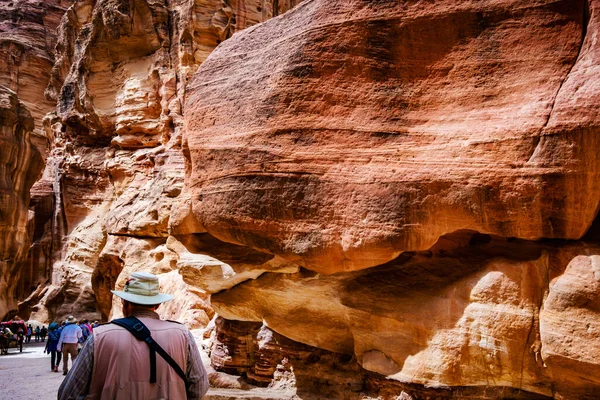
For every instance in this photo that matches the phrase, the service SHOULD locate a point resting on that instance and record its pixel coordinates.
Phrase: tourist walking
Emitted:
(115, 364)
(29, 333)
(86, 331)
(54, 331)
(43, 333)
(67, 343)
(37, 333)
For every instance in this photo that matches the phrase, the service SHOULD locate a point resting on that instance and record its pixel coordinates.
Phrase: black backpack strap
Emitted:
(142, 333)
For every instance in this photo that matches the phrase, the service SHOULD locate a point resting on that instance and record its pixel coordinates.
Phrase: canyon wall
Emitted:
(20, 165)
(27, 40)
(378, 198)
(413, 181)
(109, 91)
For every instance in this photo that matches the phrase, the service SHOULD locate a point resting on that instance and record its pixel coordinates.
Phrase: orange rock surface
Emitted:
(381, 199)
(417, 161)
(369, 129)
(115, 166)
(20, 165)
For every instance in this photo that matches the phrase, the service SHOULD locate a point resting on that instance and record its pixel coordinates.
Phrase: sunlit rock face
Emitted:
(116, 164)
(20, 165)
(372, 128)
(427, 168)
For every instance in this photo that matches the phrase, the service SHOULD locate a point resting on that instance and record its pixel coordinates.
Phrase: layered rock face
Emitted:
(385, 199)
(20, 165)
(426, 169)
(116, 166)
(28, 33)
(332, 158)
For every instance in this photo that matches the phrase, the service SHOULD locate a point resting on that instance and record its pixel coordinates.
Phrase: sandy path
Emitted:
(27, 375)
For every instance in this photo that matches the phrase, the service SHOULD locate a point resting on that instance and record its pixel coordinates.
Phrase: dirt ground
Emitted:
(27, 375)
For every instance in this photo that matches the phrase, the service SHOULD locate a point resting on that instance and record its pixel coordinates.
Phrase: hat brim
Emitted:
(144, 300)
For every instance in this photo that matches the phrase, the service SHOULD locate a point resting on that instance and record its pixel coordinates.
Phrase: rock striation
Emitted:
(387, 126)
(380, 199)
(116, 81)
(20, 166)
(429, 170)
(28, 35)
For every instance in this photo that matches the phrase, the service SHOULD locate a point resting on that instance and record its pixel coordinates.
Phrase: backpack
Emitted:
(85, 332)
(54, 335)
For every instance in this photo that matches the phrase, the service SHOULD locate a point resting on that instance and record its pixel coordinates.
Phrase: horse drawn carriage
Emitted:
(12, 333)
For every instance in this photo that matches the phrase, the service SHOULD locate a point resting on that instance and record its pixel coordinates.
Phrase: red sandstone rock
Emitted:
(473, 311)
(365, 129)
(27, 38)
(364, 142)
(116, 165)
(20, 165)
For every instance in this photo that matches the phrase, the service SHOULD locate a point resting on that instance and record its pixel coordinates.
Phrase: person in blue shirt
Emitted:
(54, 331)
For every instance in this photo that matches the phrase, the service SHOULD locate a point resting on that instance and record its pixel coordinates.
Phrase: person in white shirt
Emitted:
(69, 337)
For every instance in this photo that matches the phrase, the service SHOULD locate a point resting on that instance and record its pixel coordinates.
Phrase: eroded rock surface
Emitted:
(372, 128)
(383, 198)
(116, 165)
(28, 34)
(20, 165)
(429, 169)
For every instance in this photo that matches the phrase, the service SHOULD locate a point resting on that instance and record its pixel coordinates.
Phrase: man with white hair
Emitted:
(118, 361)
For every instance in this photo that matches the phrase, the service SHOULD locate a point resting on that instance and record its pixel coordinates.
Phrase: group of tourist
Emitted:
(38, 333)
(65, 339)
(119, 359)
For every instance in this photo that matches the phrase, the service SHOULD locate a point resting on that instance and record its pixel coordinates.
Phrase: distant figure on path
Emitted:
(69, 337)
(54, 331)
(115, 364)
(37, 333)
(20, 338)
(85, 330)
(43, 333)
(29, 333)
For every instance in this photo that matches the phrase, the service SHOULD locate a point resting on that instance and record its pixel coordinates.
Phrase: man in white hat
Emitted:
(67, 343)
(115, 364)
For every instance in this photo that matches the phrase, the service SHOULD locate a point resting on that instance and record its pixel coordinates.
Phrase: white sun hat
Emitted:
(142, 288)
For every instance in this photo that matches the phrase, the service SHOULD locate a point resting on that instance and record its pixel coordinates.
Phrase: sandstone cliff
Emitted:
(382, 199)
(115, 164)
(428, 168)
(20, 165)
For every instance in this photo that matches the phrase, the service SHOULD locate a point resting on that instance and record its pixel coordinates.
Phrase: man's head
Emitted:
(141, 291)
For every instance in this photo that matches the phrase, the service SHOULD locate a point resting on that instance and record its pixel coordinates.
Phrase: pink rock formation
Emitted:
(116, 166)
(415, 160)
(20, 165)
(28, 33)
(381, 183)
(370, 129)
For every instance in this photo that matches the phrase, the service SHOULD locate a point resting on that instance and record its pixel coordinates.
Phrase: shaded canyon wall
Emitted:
(27, 40)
